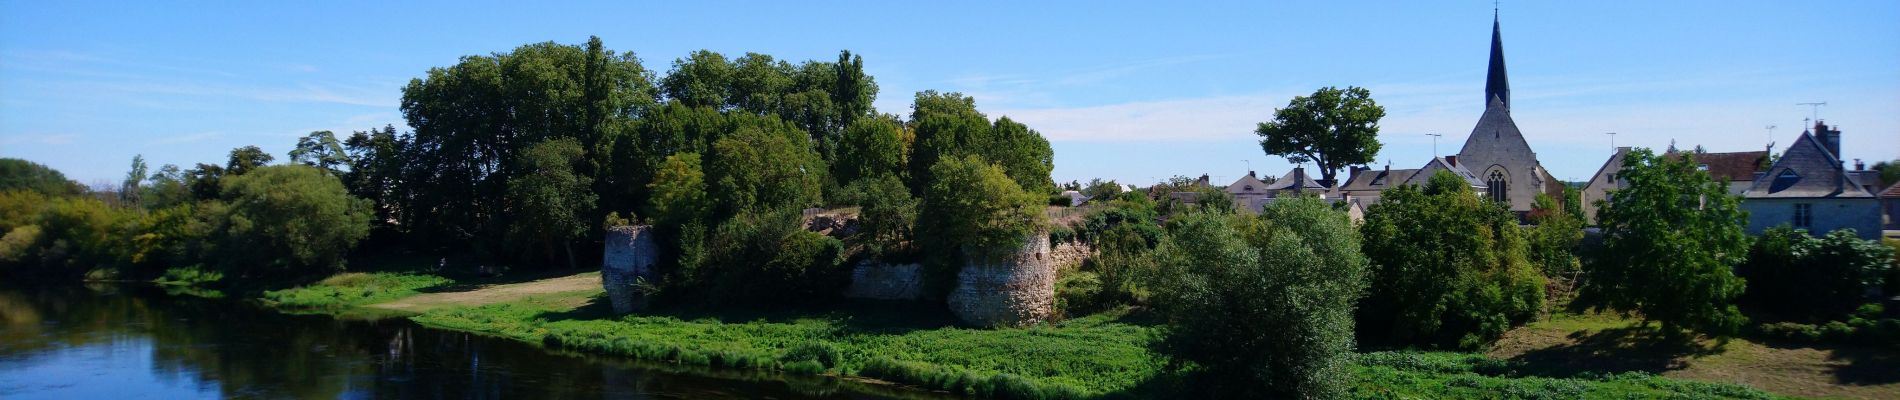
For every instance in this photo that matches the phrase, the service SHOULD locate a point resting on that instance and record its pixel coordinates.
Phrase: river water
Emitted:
(135, 341)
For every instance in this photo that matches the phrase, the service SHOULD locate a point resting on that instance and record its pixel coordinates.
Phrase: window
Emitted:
(1702, 167)
(1803, 215)
(1495, 186)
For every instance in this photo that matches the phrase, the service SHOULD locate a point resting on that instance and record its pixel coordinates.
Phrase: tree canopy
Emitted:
(1670, 239)
(1332, 128)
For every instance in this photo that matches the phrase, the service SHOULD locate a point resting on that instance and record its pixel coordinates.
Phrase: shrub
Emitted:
(1796, 276)
(1077, 293)
(189, 276)
(1448, 269)
(291, 219)
(1671, 239)
(825, 355)
(1264, 305)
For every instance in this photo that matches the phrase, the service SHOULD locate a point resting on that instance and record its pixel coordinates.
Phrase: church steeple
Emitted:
(1495, 84)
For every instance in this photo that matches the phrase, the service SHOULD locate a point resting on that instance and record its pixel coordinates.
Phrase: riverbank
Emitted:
(1101, 355)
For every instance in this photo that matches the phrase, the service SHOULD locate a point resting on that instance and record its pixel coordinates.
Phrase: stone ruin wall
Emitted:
(878, 281)
(1016, 290)
(630, 256)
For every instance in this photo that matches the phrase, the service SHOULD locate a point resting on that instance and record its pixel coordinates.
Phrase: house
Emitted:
(1890, 204)
(1497, 151)
(1597, 190)
(1810, 188)
(1250, 193)
(1366, 184)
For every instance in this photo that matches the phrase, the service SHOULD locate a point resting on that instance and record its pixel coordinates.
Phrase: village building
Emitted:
(1737, 170)
(1810, 188)
(1496, 150)
(1890, 205)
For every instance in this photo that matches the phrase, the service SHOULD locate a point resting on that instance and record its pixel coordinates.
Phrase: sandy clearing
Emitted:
(489, 294)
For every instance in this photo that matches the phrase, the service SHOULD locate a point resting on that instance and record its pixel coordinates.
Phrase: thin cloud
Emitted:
(188, 138)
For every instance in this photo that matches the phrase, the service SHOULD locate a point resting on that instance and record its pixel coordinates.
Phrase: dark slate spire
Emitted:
(1495, 84)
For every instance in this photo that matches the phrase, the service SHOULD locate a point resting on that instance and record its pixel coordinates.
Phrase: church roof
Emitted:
(1496, 85)
(1806, 170)
(1504, 136)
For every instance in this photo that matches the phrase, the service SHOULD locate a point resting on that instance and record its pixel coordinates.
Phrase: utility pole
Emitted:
(1434, 143)
(1612, 141)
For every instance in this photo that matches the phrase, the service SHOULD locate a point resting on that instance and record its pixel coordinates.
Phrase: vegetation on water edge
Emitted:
(354, 289)
(1106, 354)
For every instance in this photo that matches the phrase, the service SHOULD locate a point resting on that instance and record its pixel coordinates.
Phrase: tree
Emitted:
(973, 210)
(320, 149)
(376, 161)
(1554, 238)
(948, 125)
(1332, 128)
(764, 166)
(1889, 172)
(1449, 269)
(1264, 305)
(290, 220)
(1098, 189)
(888, 215)
(18, 174)
(870, 148)
(702, 79)
(1670, 238)
(129, 191)
(168, 187)
(552, 201)
(679, 191)
(244, 159)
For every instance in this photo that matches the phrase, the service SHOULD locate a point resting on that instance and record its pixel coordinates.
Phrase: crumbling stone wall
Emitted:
(1069, 256)
(1013, 290)
(630, 256)
(872, 280)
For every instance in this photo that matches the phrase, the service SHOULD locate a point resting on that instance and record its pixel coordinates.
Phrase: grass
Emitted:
(351, 289)
(1101, 355)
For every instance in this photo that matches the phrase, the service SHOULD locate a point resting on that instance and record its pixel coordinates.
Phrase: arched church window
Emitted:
(1495, 186)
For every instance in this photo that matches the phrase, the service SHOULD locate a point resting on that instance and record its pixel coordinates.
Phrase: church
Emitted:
(1496, 150)
(1496, 159)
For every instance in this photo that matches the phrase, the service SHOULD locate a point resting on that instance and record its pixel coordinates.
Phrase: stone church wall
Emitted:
(1014, 290)
(629, 257)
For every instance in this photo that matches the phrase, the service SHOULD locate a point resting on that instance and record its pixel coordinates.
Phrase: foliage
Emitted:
(947, 126)
(18, 174)
(551, 198)
(189, 276)
(763, 167)
(679, 191)
(1263, 304)
(972, 209)
(129, 190)
(1098, 189)
(887, 216)
(70, 237)
(1889, 171)
(353, 289)
(1555, 238)
(1448, 269)
(1800, 277)
(244, 159)
(376, 170)
(1671, 237)
(290, 219)
(1331, 128)
(871, 148)
(1385, 375)
(320, 149)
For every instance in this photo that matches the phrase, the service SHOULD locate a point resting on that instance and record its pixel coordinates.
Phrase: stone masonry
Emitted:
(1016, 290)
(630, 256)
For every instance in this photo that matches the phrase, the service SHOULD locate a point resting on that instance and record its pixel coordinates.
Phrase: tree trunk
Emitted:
(569, 247)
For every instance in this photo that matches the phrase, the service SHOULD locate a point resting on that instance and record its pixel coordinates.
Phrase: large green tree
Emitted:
(1332, 128)
(1448, 269)
(1264, 305)
(1670, 240)
(947, 125)
(244, 159)
(551, 200)
(871, 148)
(290, 220)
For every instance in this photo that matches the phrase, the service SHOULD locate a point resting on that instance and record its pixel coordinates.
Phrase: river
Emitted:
(136, 341)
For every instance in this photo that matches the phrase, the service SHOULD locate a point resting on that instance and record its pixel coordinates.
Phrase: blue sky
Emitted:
(1129, 91)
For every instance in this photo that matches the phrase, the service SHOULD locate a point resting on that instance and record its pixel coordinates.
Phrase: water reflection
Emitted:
(108, 341)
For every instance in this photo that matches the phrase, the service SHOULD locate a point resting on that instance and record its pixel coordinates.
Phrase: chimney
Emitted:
(1453, 160)
(1251, 175)
(1859, 166)
(1830, 138)
(1353, 172)
(1299, 179)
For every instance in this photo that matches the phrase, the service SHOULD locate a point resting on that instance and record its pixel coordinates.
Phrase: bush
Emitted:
(1078, 293)
(189, 276)
(824, 355)
(1448, 269)
(1264, 305)
(1799, 277)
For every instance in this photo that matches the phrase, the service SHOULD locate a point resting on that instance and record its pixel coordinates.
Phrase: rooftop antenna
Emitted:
(1434, 143)
(1249, 165)
(1612, 141)
(1814, 109)
(1771, 134)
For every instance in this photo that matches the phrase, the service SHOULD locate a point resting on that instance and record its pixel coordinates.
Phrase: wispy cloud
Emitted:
(51, 139)
(1028, 90)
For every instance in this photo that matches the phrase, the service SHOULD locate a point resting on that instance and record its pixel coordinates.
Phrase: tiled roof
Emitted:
(1378, 179)
(1892, 192)
(1286, 182)
(1806, 170)
(1737, 166)
(1247, 185)
(1424, 174)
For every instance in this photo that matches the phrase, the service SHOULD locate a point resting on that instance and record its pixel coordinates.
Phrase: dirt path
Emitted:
(489, 294)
